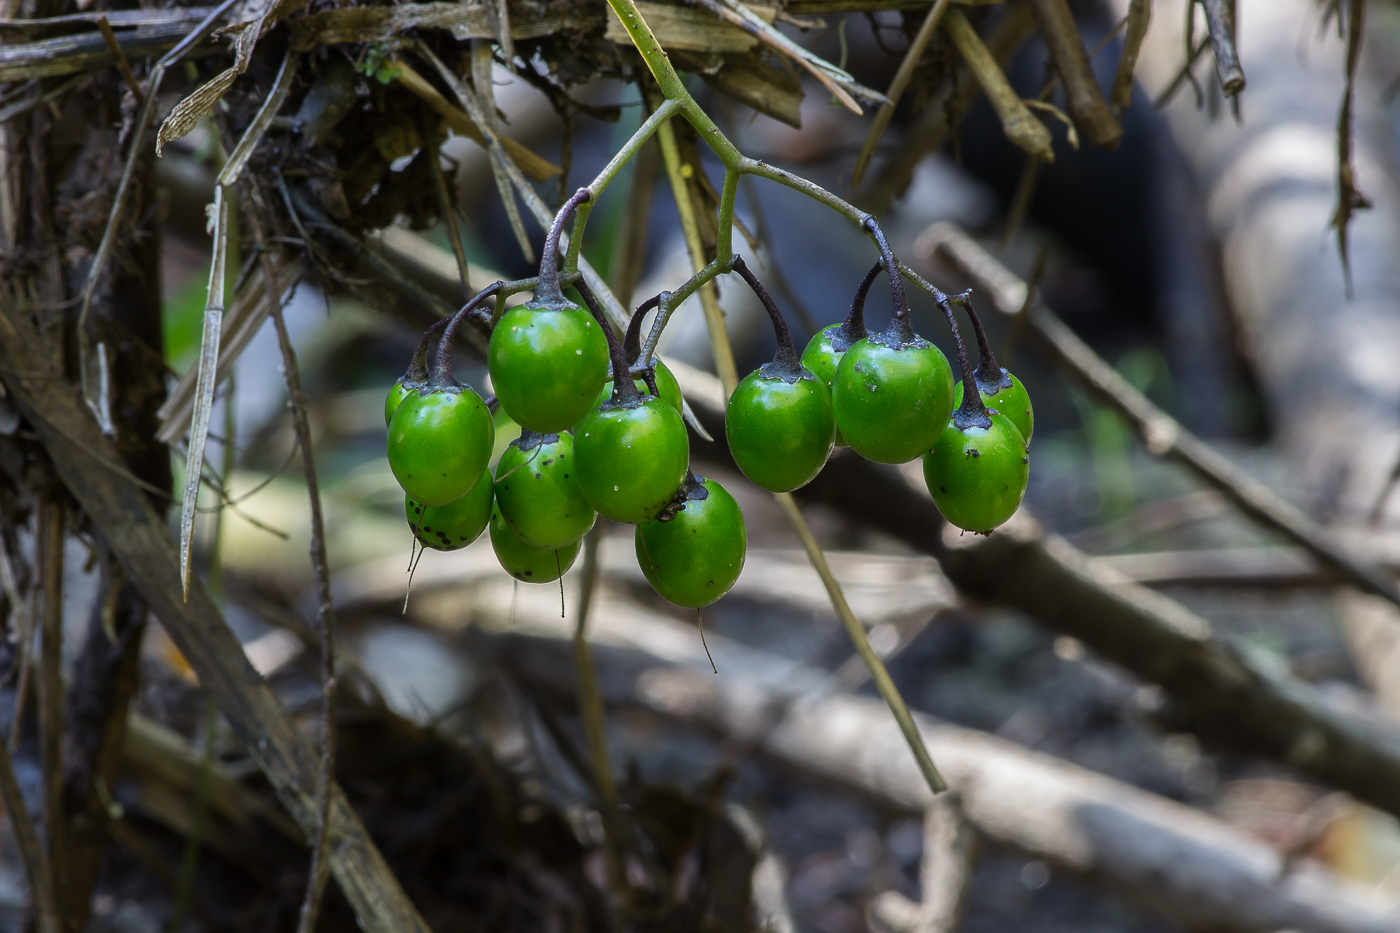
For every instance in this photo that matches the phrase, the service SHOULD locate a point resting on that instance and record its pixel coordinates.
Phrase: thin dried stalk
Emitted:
(31, 853)
(1139, 18)
(49, 547)
(1017, 121)
(897, 86)
(1220, 20)
(690, 227)
(119, 58)
(836, 80)
(1086, 104)
(325, 608)
(446, 207)
(590, 707)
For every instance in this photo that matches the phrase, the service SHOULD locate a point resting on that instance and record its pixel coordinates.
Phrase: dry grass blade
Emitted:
(250, 309)
(1019, 124)
(1139, 18)
(836, 80)
(485, 111)
(447, 208)
(897, 86)
(233, 166)
(204, 384)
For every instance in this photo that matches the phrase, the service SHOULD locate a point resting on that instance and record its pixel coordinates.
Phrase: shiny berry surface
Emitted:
(529, 564)
(892, 402)
(547, 365)
(694, 559)
(780, 432)
(631, 458)
(537, 491)
(439, 444)
(455, 525)
(977, 476)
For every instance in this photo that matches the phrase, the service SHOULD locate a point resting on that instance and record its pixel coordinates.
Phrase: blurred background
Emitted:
(1199, 259)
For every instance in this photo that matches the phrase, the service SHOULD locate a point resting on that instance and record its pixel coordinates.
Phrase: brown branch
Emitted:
(121, 513)
(1085, 101)
(1019, 124)
(1168, 859)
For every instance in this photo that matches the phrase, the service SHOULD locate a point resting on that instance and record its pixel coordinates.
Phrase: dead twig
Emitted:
(1085, 101)
(1220, 20)
(119, 59)
(1019, 124)
(481, 62)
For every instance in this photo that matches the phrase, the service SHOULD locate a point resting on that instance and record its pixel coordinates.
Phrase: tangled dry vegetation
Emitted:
(327, 120)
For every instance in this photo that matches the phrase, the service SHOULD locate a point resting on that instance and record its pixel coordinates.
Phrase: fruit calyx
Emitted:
(440, 378)
(548, 294)
(531, 440)
(692, 490)
(989, 378)
(900, 334)
(853, 328)
(786, 364)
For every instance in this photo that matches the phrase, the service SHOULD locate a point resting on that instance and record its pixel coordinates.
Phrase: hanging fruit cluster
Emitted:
(593, 445)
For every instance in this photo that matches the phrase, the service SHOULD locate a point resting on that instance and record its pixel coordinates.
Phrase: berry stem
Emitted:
(786, 357)
(989, 375)
(624, 392)
(901, 326)
(549, 294)
(853, 328)
(418, 366)
(632, 344)
(441, 376)
(972, 412)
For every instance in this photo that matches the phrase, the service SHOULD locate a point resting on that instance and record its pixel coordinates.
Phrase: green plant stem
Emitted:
(883, 682)
(610, 171)
(709, 297)
(590, 703)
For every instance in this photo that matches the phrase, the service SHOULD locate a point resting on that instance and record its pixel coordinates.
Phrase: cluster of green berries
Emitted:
(590, 445)
(891, 398)
(594, 445)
